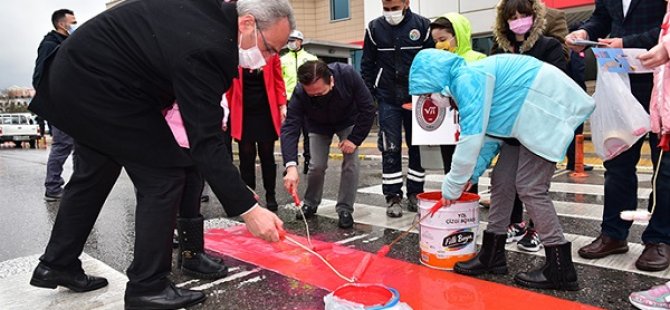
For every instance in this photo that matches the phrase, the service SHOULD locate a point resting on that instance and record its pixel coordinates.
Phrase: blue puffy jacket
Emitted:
(501, 96)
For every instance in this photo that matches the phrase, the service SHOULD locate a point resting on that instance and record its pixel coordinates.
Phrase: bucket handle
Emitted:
(436, 207)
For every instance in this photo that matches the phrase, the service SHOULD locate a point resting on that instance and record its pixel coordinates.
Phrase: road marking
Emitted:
(351, 239)
(250, 280)
(556, 187)
(17, 293)
(188, 282)
(229, 278)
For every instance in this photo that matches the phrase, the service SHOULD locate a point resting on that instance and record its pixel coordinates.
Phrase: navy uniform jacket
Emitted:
(109, 82)
(388, 52)
(350, 104)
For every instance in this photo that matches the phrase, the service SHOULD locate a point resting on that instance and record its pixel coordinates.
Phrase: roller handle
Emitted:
(296, 199)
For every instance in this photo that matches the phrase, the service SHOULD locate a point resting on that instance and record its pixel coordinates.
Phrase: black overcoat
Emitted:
(110, 81)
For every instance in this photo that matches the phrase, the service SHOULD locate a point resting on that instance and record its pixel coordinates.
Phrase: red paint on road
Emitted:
(419, 286)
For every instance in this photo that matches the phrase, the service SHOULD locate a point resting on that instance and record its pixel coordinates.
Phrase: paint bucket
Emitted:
(448, 236)
(357, 296)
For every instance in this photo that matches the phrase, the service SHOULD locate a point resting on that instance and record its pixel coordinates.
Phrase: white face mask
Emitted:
(251, 58)
(71, 28)
(440, 100)
(293, 45)
(394, 17)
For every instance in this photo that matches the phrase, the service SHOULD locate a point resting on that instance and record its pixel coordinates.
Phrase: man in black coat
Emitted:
(107, 86)
(630, 24)
(329, 100)
(64, 23)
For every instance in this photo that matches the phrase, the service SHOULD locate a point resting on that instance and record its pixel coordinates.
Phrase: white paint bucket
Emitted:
(449, 235)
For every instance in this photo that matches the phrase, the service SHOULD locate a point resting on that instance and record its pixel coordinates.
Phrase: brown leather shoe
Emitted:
(603, 246)
(654, 257)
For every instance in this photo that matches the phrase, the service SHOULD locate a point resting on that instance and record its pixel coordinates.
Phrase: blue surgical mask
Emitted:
(71, 28)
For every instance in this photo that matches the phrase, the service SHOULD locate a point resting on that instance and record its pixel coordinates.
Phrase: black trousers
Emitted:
(159, 193)
(190, 200)
(265, 151)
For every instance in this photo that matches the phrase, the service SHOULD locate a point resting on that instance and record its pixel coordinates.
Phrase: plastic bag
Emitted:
(335, 303)
(619, 120)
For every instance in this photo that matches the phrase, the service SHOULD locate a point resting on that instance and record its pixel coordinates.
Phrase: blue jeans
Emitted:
(61, 147)
(391, 121)
(621, 194)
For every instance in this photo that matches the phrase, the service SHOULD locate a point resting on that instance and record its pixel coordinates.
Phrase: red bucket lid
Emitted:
(435, 196)
(365, 294)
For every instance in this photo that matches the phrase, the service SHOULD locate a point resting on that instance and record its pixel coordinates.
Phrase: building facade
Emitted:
(16, 99)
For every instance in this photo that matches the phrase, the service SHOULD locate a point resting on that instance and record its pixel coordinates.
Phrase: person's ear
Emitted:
(246, 23)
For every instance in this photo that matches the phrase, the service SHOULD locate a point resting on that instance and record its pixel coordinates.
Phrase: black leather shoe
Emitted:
(308, 211)
(170, 298)
(46, 277)
(345, 219)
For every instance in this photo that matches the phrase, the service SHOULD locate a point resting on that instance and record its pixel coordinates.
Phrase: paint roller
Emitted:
(362, 267)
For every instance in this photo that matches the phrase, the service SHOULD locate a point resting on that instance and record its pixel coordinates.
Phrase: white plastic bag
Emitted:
(619, 120)
(334, 303)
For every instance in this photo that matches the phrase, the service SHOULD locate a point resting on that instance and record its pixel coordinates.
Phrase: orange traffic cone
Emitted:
(579, 158)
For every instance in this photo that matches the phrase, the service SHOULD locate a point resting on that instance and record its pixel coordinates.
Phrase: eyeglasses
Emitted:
(270, 50)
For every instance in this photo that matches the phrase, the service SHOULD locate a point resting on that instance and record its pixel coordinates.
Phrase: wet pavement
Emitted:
(27, 221)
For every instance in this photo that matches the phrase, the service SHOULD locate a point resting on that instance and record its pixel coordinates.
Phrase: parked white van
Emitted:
(19, 128)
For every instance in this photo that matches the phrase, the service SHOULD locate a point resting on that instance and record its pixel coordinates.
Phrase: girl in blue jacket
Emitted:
(506, 98)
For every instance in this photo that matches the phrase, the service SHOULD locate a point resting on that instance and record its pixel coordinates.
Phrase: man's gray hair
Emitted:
(267, 12)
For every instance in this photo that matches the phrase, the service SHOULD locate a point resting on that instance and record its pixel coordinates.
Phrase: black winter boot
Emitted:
(192, 259)
(490, 258)
(269, 183)
(558, 272)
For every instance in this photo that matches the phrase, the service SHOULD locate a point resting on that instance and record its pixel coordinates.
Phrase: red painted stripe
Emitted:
(419, 286)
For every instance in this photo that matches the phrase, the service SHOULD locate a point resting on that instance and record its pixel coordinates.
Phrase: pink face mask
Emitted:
(522, 25)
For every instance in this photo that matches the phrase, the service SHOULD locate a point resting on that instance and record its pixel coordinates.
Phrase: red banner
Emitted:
(564, 4)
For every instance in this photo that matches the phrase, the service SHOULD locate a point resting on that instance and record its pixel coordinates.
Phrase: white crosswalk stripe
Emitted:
(556, 187)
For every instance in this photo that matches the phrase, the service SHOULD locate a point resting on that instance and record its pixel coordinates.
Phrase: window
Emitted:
(483, 44)
(339, 9)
